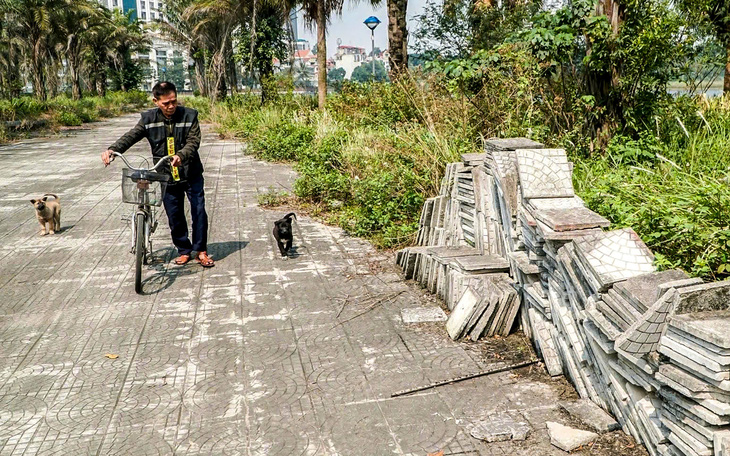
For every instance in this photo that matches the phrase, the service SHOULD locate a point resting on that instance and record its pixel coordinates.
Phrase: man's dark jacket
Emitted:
(155, 127)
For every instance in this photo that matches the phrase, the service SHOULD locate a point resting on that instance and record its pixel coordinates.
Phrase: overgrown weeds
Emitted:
(64, 111)
(371, 160)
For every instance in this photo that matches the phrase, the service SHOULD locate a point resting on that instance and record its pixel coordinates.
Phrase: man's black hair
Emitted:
(163, 88)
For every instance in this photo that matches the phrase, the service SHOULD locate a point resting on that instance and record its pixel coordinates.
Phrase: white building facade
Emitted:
(166, 60)
(349, 58)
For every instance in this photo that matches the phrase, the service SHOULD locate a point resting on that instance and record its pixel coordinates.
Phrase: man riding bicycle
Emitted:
(174, 130)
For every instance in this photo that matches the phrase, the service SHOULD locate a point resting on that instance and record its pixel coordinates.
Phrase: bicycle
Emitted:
(145, 188)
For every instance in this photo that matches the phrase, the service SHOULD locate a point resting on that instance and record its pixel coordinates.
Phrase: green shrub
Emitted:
(68, 119)
(287, 141)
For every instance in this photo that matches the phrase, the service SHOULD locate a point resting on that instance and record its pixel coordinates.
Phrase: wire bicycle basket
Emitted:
(143, 187)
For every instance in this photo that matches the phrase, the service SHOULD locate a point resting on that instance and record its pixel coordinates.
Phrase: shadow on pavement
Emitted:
(165, 273)
(220, 250)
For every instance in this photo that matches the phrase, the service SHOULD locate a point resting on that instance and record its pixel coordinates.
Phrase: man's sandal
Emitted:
(182, 259)
(204, 260)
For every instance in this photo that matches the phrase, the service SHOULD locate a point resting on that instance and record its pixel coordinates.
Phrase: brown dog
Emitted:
(48, 213)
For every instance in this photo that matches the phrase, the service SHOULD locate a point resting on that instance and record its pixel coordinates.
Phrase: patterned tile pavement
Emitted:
(257, 356)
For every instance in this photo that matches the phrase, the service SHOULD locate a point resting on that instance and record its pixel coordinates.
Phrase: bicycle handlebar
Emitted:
(154, 168)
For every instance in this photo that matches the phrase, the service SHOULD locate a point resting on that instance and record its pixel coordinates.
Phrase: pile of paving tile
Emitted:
(507, 243)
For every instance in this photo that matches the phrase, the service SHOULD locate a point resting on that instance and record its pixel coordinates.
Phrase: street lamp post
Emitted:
(372, 22)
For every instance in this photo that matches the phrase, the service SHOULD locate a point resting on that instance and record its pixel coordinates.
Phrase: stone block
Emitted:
(579, 218)
(481, 264)
(713, 327)
(721, 442)
(423, 314)
(704, 297)
(567, 438)
(591, 415)
(499, 428)
(643, 290)
(462, 312)
(494, 144)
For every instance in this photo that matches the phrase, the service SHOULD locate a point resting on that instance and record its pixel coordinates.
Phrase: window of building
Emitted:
(142, 5)
(144, 15)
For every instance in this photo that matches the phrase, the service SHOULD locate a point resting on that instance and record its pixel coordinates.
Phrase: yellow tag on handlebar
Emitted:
(171, 152)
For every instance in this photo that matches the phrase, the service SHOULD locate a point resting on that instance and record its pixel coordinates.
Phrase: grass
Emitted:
(371, 160)
(64, 111)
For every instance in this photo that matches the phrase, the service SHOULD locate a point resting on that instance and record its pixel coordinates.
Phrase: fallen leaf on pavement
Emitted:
(111, 356)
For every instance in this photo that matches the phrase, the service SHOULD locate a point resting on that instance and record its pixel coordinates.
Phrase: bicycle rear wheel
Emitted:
(139, 250)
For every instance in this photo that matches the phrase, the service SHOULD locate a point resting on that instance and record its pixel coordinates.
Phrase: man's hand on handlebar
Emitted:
(107, 157)
(176, 161)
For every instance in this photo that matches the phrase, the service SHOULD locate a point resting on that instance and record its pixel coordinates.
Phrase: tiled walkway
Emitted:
(257, 356)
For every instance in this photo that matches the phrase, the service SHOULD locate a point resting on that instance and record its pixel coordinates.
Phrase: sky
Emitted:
(351, 30)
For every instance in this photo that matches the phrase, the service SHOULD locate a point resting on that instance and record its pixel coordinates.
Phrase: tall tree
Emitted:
(218, 19)
(10, 57)
(716, 14)
(181, 28)
(318, 13)
(127, 39)
(263, 39)
(78, 17)
(34, 21)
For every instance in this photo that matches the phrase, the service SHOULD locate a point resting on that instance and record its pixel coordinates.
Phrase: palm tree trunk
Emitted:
(73, 58)
(397, 37)
(726, 79)
(37, 67)
(321, 54)
(200, 75)
(53, 81)
(231, 66)
(100, 78)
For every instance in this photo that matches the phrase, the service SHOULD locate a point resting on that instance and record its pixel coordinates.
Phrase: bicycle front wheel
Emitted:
(139, 250)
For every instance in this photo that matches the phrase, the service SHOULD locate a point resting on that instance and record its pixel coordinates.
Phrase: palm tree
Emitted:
(180, 28)
(397, 37)
(318, 12)
(78, 17)
(10, 58)
(217, 19)
(128, 38)
(34, 22)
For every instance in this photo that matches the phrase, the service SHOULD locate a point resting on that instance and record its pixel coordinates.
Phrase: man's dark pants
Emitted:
(174, 201)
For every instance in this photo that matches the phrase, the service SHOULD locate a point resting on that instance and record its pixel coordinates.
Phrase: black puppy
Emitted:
(283, 233)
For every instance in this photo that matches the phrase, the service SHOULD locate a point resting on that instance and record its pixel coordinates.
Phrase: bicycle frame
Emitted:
(148, 219)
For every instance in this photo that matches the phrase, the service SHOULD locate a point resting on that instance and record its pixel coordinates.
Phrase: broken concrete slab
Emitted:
(499, 428)
(567, 438)
(591, 415)
(704, 297)
(423, 314)
(713, 327)
(643, 290)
